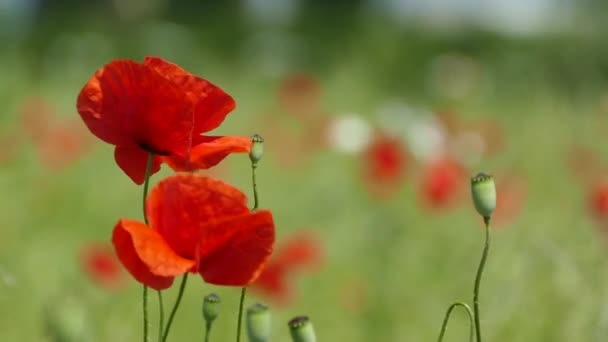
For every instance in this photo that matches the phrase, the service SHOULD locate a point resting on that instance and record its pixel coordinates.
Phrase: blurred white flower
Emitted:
(349, 134)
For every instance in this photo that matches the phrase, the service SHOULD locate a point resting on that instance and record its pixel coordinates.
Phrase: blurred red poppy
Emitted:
(443, 183)
(300, 252)
(58, 142)
(101, 265)
(196, 224)
(512, 191)
(157, 107)
(384, 164)
(598, 201)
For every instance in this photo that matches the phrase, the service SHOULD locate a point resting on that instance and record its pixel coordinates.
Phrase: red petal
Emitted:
(209, 151)
(129, 103)
(239, 260)
(133, 161)
(212, 104)
(146, 255)
(181, 206)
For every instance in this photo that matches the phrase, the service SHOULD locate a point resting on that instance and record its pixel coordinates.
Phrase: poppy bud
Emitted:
(258, 323)
(301, 330)
(211, 307)
(483, 191)
(257, 149)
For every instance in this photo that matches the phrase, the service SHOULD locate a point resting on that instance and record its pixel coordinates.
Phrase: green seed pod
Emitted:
(211, 307)
(257, 148)
(258, 323)
(301, 330)
(483, 191)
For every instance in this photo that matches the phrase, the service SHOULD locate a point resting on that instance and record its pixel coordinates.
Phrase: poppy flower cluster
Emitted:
(157, 107)
(195, 224)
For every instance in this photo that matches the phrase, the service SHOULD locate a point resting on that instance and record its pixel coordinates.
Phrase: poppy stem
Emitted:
(482, 263)
(240, 319)
(161, 313)
(149, 164)
(207, 331)
(444, 326)
(175, 306)
(254, 166)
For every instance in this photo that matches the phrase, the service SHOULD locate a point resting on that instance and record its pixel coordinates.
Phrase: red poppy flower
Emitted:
(384, 164)
(443, 183)
(298, 253)
(101, 265)
(157, 107)
(199, 225)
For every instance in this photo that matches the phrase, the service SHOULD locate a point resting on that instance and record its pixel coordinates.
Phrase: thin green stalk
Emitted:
(240, 319)
(145, 290)
(207, 331)
(161, 314)
(175, 306)
(444, 326)
(482, 263)
(256, 202)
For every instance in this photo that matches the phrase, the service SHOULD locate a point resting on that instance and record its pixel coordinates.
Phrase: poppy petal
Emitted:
(212, 104)
(146, 255)
(130, 103)
(182, 205)
(133, 161)
(239, 260)
(209, 151)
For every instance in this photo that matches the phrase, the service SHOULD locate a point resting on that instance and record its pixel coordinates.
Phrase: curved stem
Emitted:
(240, 319)
(444, 326)
(175, 306)
(161, 313)
(145, 290)
(482, 263)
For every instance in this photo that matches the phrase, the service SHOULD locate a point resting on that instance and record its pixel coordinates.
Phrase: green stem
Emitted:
(240, 319)
(145, 291)
(444, 326)
(482, 263)
(161, 313)
(207, 331)
(175, 306)
(254, 166)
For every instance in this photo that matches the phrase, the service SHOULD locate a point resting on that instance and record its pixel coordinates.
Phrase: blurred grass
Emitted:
(392, 267)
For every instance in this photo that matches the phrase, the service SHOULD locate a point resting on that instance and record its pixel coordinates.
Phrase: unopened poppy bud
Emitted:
(211, 307)
(258, 323)
(483, 191)
(257, 148)
(301, 330)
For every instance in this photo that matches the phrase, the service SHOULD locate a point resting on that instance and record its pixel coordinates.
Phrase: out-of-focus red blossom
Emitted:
(100, 264)
(300, 252)
(489, 131)
(300, 95)
(157, 107)
(584, 164)
(58, 142)
(443, 183)
(199, 225)
(511, 192)
(384, 165)
(598, 201)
